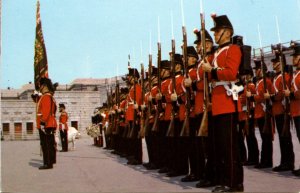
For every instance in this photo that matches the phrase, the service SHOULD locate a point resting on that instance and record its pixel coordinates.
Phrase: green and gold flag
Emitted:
(40, 55)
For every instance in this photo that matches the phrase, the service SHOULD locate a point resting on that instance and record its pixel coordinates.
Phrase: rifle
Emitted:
(185, 130)
(203, 129)
(268, 116)
(142, 132)
(287, 119)
(159, 104)
(117, 91)
(171, 131)
(108, 129)
(146, 127)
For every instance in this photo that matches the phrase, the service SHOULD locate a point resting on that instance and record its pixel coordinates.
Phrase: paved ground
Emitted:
(92, 169)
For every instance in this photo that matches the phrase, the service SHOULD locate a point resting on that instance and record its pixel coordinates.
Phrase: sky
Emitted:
(93, 38)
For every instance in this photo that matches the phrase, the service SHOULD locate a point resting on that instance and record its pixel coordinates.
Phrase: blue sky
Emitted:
(92, 38)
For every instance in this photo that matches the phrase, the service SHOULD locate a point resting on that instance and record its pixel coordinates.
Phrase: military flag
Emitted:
(40, 55)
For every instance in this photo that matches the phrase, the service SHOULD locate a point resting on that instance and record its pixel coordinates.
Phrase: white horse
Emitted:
(72, 135)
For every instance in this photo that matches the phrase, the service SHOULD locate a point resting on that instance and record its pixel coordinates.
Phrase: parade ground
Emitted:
(88, 168)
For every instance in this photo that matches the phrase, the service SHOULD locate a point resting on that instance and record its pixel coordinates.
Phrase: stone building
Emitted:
(80, 97)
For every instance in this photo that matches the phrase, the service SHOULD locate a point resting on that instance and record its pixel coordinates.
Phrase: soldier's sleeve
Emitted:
(233, 60)
(46, 108)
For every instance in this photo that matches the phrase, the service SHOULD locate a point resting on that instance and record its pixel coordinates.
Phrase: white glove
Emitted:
(143, 106)
(248, 94)
(158, 96)
(150, 98)
(135, 106)
(206, 67)
(43, 128)
(174, 97)
(187, 82)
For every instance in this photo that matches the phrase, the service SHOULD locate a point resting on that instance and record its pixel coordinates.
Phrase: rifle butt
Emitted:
(203, 129)
(185, 129)
(154, 127)
(170, 132)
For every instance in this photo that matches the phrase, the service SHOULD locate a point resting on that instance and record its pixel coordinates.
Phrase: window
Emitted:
(18, 130)
(5, 128)
(74, 124)
(29, 127)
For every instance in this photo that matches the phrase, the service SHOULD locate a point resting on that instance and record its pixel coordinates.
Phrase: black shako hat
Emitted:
(257, 63)
(165, 64)
(221, 21)
(48, 83)
(198, 36)
(124, 90)
(276, 59)
(154, 71)
(133, 72)
(191, 51)
(178, 59)
(104, 105)
(62, 105)
(296, 49)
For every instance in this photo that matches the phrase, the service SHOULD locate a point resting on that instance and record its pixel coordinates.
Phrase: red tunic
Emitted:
(122, 116)
(259, 97)
(295, 87)
(242, 102)
(130, 101)
(63, 121)
(193, 76)
(46, 111)
(277, 104)
(166, 92)
(180, 90)
(227, 60)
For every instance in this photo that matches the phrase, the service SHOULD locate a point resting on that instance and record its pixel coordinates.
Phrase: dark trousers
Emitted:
(48, 147)
(228, 164)
(136, 142)
(163, 143)
(252, 145)
(196, 148)
(209, 145)
(64, 139)
(181, 155)
(266, 154)
(285, 142)
(297, 126)
(242, 147)
(149, 143)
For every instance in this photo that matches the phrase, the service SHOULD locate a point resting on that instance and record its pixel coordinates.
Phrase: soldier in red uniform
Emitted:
(191, 145)
(259, 97)
(294, 94)
(63, 127)
(122, 123)
(134, 100)
(278, 110)
(152, 135)
(46, 121)
(179, 155)
(204, 144)
(165, 97)
(247, 122)
(227, 59)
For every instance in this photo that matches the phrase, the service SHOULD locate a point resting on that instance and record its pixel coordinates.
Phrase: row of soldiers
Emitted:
(196, 109)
